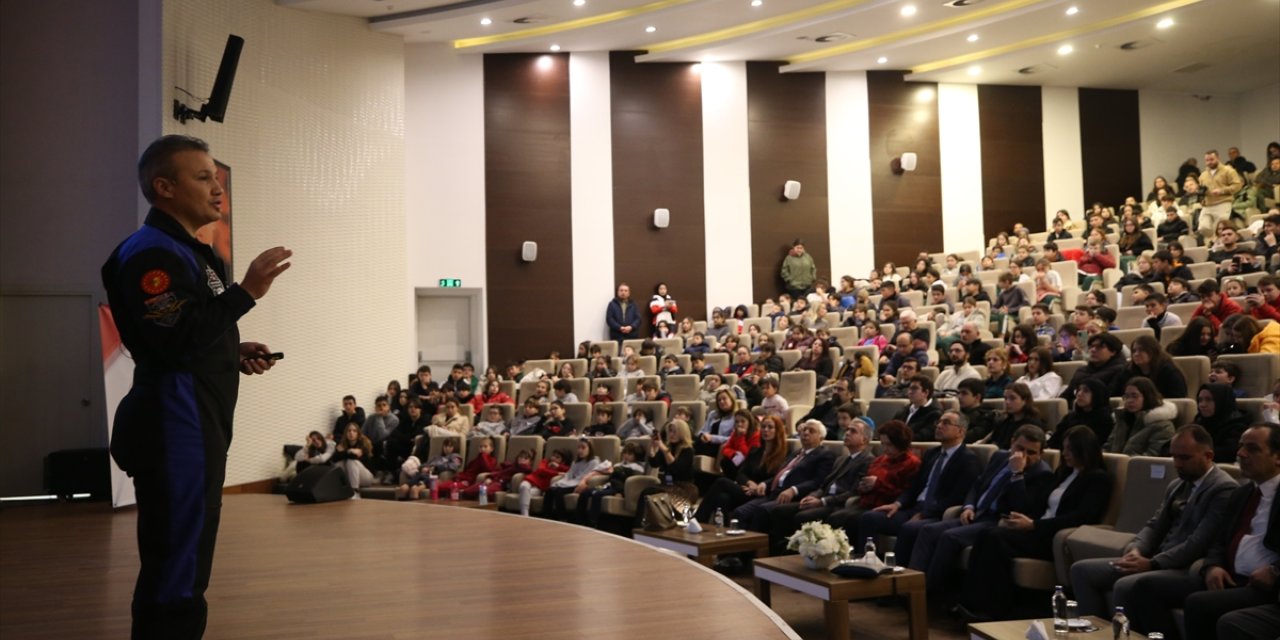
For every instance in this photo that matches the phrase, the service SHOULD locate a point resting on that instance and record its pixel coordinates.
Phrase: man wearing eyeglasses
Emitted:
(946, 473)
(923, 411)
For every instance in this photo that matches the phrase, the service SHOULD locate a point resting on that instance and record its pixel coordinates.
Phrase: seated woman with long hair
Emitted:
(1148, 359)
(1078, 495)
(1019, 409)
(671, 456)
(751, 479)
(1198, 339)
(816, 358)
(1144, 422)
(1216, 411)
(1039, 376)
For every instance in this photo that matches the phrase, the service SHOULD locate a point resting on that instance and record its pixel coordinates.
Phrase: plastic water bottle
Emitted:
(454, 493)
(718, 521)
(435, 488)
(869, 549)
(1060, 624)
(484, 494)
(1120, 624)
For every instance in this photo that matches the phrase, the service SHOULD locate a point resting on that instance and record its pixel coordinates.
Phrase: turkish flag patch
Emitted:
(155, 282)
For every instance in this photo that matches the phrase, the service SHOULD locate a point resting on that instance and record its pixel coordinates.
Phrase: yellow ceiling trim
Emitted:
(964, 17)
(569, 25)
(751, 28)
(1054, 37)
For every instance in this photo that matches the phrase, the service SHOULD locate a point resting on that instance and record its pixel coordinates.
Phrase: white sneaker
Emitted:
(355, 496)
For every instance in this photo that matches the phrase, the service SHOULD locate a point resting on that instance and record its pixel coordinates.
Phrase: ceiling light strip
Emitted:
(969, 15)
(1053, 37)
(754, 27)
(569, 25)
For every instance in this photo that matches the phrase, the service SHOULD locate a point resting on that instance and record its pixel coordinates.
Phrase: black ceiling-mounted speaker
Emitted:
(215, 108)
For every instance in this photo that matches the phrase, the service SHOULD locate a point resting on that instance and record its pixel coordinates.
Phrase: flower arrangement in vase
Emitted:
(820, 545)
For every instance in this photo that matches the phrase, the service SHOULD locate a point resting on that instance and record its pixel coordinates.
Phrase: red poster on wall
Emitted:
(218, 234)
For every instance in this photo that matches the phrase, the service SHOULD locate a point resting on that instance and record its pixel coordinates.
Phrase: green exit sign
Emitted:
(451, 283)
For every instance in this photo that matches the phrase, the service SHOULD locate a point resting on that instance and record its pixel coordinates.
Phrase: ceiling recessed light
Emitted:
(908, 11)
(1071, 11)
(555, 47)
(975, 70)
(881, 60)
(486, 21)
(579, 3)
(1065, 49)
(650, 29)
(1165, 23)
(756, 3)
(973, 37)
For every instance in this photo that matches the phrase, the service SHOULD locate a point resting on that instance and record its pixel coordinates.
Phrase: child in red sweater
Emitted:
(500, 478)
(465, 479)
(535, 483)
(745, 437)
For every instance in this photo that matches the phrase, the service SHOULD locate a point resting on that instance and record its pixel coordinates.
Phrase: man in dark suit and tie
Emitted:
(1179, 533)
(1242, 568)
(946, 473)
(923, 412)
(837, 487)
(797, 478)
(939, 544)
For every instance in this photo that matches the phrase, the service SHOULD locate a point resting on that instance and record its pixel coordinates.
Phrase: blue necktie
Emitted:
(993, 492)
(932, 488)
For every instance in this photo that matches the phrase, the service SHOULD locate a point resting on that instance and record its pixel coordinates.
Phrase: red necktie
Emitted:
(1242, 526)
(779, 477)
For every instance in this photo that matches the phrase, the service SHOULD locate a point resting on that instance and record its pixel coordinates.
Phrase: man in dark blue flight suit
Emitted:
(176, 311)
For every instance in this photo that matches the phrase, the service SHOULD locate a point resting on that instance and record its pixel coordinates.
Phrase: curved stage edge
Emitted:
(376, 569)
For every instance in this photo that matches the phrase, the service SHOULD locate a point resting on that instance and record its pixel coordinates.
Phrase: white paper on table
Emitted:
(1037, 631)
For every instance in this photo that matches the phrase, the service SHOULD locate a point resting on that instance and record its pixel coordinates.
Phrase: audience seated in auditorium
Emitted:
(923, 411)
(1092, 409)
(467, 478)
(940, 544)
(946, 473)
(801, 474)
(1217, 412)
(1039, 375)
(529, 421)
(897, 386)
(350, 413)
(591, 500)
(1149, 359)
(586, 464)
(415, 476)
(1106, 363)
(540, 479)
(1158, 316)
(1199, 339)
(317, 450)
(832, 491)
(958, 368)
(1243, 558)
(1178, 533)
(1078, 496)
(997, 373)
(981, 418)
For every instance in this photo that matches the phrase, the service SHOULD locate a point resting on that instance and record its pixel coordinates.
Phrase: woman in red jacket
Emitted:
(500, 478)
(745, 438)
(888, 476)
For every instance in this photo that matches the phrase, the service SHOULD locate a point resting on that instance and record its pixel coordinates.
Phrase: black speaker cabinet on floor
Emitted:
(320, 483)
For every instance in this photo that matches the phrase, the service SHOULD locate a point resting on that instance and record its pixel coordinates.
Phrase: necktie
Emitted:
(777, 480)
(1242, 526)
(932, 487)
(993, 492)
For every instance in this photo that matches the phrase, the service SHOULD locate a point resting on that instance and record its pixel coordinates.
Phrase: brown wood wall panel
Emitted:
(527, 197)
(1110, 145)
(907, 208)
(657, 163)
(787, 140)
(1009, 121)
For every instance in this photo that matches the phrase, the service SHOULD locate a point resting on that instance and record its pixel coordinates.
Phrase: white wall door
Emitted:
(50, 385)
(445, 333)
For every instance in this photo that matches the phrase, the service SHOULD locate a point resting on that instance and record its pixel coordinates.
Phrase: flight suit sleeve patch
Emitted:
(164, 309)
(155, 282)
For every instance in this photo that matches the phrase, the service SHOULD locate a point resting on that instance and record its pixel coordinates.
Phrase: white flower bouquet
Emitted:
(818, 540)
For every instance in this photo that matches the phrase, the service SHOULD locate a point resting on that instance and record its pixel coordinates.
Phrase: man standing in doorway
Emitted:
(623, 316)
(176, 311)
(798, 271)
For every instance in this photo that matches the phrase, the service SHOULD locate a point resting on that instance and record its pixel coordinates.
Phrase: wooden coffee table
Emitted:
(705, 546)
(1017, 630)
(836, 592)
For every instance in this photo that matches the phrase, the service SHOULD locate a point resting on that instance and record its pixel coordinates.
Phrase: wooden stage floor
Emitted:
(371, 569)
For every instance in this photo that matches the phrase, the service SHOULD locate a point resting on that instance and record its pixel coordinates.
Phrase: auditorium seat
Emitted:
(1146, 479)
(546, 365)
(670, 345)
(1169, 335)
(846, 336)
(1051, 411)
(659, 410)
(765, 324)
(508, 410)
(616, 389)
(608, 348)
(1195, 369)
(799, 388)
(697, 410)
(1127, 336)
(580, 387)
(718, 361)
(579, 413)
(883, 409)
(683, 387)
(1258, 371)
(789, 358)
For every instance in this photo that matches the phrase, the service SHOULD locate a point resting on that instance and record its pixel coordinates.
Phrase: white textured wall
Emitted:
(1063, 155)
(444, 165)
(314, 135)
(1259, 122)
(960, 143)
(849, 175)
(1177, 126)
(591, 169)
(726, 184)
